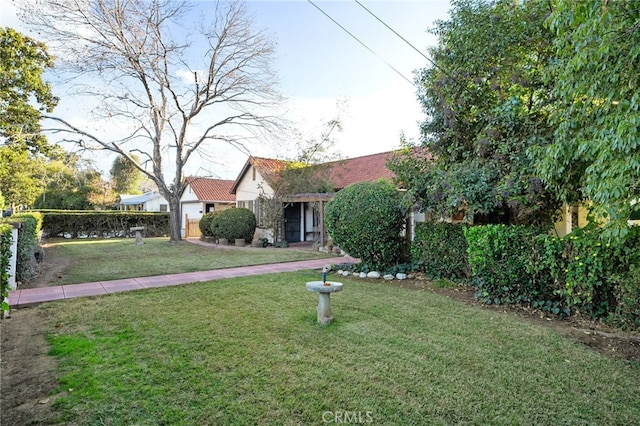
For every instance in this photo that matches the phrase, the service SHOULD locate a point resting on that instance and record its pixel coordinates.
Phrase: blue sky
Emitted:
(319, 64)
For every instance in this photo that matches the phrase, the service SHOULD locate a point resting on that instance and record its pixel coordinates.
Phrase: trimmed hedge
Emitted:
(5, 259)
(234, 224)
(440, 250)
(577, 273)
(28, 239)
(103, 223)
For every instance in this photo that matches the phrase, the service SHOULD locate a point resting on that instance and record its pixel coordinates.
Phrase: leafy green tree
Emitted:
(125, 177)
(20, 176)
(23, 60)
(71, 184)
(366, 219)
(486, 104)
(596, 154)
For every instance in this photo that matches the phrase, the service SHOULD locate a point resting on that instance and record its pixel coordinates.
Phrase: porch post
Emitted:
(321, 227)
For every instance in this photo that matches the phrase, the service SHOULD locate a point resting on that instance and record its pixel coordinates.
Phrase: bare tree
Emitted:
(172, 85)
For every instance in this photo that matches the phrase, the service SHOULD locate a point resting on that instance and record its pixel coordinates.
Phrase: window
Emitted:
(164, 208)
(253, 173)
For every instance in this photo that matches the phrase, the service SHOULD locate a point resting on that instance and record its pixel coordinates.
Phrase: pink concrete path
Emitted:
(29, 296)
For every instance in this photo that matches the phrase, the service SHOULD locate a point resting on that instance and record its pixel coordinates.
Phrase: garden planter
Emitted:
(223, 242)
(240, 242)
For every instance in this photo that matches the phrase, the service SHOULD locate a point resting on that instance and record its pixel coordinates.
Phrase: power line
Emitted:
(394, 31)
(359, 41)
(405, 40)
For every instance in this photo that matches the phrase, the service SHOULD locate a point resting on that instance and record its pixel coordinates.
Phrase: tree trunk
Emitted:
(175, 219)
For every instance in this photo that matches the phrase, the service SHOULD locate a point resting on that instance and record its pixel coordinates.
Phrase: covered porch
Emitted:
(304, 218)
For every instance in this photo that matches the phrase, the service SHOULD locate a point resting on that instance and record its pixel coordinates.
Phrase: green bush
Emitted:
(498, 257)
(577, 273)
(5, 259)
(102, 224)
(233, 224)
(28, 238)
(441, 250)
(366, 219)
(205, 224)
(592, 268)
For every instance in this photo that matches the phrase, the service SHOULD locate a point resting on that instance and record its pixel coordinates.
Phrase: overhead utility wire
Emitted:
(364, 45)
(405, 40)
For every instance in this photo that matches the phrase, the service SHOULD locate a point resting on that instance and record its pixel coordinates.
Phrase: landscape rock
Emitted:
(373, 274)
(388, 277)
(401, 276)
(363, 275)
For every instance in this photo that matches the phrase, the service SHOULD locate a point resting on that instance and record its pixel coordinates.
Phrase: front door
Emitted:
(292, 220)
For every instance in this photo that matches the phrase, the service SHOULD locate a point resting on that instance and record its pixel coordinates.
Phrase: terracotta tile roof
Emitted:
(269, 168)
(342, 173)
(368, 168)
(208, 189)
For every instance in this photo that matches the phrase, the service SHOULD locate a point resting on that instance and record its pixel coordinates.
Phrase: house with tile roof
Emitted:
(303, 213)
(204, 195)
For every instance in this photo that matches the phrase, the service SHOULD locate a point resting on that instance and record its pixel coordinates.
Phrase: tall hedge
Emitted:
(104, 223)
(28, 239)
(440, 249)
(5, 262)
(366, 219)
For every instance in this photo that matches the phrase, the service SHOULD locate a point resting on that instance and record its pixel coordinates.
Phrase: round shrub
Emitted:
(366, 219)
(233, 224)
(205, 224)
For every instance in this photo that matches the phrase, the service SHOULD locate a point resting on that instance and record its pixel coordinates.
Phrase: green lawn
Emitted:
(112, 259)
(248, 351)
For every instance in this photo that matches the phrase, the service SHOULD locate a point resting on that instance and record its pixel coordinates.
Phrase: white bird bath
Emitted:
(324, 289)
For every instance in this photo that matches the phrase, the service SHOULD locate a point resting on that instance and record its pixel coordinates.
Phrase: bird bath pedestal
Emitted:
(138, 230)
(324, 289)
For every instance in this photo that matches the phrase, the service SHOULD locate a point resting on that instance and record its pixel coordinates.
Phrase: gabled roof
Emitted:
(342, 173)
(209, 189)
(269, 169)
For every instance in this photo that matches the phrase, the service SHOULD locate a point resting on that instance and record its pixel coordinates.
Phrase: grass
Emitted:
(249, 351)
(112, 259)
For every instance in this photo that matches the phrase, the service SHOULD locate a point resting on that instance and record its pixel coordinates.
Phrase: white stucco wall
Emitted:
(249, 189)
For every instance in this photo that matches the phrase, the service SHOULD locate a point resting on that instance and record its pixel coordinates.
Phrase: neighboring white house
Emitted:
(203, 195)
(150, 201)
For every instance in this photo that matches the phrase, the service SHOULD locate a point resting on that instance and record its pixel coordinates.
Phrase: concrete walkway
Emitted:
(30, 296)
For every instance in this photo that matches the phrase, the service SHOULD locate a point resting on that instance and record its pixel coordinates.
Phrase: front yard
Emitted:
(249, 351)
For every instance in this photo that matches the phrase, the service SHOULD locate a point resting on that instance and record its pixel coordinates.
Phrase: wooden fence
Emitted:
(192, 227)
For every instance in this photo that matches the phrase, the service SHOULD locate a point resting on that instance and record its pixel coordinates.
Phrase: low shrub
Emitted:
(205, 224)
(440, 250)
(234, 224)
